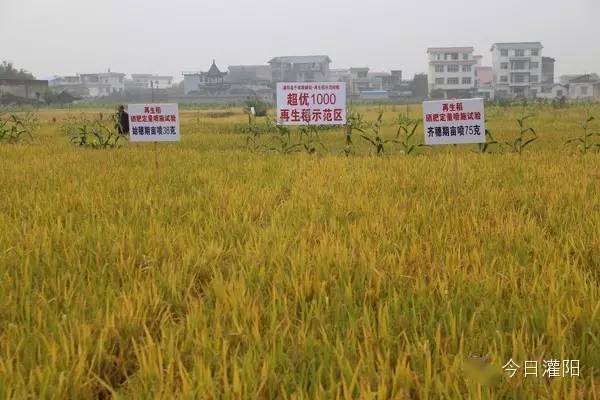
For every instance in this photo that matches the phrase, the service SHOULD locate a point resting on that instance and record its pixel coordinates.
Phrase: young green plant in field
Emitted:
(283, 137)
(310, 138)
(527, 135)
(483, 148)
(586, 140)
(376, 139)
(252, 132)
(14, 128)
(354, 122)
(93, 133)
(405, 135)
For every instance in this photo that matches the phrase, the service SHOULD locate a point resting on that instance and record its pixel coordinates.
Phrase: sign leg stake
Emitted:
(456, 172)
(156, 158)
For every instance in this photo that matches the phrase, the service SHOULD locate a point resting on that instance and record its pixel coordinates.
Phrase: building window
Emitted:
(466, 81)
(535, 52)
(453, 68)
(559, 93)
(519, 53)
(535, 65)
(453, 81)
(439, 81)
(439, 68)
(518, 65)
(504, 79)
(504, 65)
(584, 90)
(519, 78)
(465, 56)
(534, 78)
(439, 57)
(504, 53)
(466, 68)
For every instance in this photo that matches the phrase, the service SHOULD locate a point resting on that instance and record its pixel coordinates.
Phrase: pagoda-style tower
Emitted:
(214, 76)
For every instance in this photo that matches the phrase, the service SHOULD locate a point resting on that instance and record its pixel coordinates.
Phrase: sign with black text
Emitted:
(153, 122)
(311, 103)
(454, 121)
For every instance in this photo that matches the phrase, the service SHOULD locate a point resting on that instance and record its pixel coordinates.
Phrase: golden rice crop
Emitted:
(237, 274)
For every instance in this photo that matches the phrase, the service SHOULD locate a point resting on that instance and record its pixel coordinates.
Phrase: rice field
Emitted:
(237, 274)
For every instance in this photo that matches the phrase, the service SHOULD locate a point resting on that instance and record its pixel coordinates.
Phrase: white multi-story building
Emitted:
(517, 69)
(91, 85)
(451, 71)
(104, 83)
(300, 68)
(149, 81)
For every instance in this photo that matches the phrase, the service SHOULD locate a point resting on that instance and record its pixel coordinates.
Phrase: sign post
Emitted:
(454, 122)
(311, 103)
(154, 123)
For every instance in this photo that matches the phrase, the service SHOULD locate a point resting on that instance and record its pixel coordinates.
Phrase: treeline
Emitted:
(8, 71)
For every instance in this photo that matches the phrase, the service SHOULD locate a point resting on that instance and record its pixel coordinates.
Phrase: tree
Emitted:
(8, 71)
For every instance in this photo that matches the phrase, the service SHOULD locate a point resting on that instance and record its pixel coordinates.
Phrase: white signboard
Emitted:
(153, 122)
(454, 121)
(311, 103)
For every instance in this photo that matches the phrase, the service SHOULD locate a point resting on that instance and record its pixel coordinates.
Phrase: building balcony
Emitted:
(449, 62)
(520, 83)
(453, 87)
(519, 58)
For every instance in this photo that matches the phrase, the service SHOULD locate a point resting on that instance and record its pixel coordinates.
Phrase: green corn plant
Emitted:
(376, 139)
(252, 132)
(310, 138)
(14, 128)
(405, 135)
(586, 140)
(527, 135)
(483, 148)
(93, 133)
(354, 122)
(283, 138)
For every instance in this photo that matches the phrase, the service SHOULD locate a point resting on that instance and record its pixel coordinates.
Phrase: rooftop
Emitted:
(518, 45)
(10, 82)
(105, 74)
(450, 49)
(214, 70)
(587, 78)
(247, 67)
(300, 59)
(134, 76)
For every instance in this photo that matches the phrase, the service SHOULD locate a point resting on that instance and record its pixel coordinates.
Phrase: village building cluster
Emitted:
(517, 70)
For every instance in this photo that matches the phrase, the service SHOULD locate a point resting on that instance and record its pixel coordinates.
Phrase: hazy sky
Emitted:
(57, 37)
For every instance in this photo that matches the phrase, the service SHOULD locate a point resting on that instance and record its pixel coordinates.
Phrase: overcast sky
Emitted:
(58, 37)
